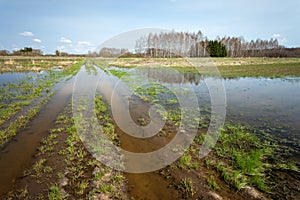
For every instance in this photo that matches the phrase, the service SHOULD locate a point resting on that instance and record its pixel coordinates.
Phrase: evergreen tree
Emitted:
(216, 49)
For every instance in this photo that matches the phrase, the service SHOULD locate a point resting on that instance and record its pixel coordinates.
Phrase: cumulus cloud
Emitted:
(37, 40)
(75, 47)
(65, 40)
(279, 38)
(27, 34)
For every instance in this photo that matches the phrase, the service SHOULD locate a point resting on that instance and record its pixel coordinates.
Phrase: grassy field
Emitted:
(22, 64)
(228, 67)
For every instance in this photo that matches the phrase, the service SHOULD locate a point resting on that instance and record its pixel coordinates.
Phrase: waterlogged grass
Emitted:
(241, 158)
(105, 181)
(187, 188)
(117, 73)
(54, 193)
(22, 100)
(64, 169)
(156, 93)
(90, 67)
(39, 169)
(106, 123)
(11, 109)
(11, 130)
(212, 183)
(72, 70)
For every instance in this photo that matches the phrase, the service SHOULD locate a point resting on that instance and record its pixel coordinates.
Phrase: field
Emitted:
(228, 67)
(49, 106)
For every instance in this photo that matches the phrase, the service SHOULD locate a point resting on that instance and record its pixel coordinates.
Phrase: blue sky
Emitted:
(78, 26)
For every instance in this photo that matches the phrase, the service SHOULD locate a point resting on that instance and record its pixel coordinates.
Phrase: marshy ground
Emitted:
(256, 156)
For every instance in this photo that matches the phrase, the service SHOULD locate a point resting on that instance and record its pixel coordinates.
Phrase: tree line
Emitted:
(172, 44)
(26, 51)
(29, 51)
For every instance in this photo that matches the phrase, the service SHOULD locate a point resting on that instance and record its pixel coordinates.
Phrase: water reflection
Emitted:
(257, 101)
(14, 76)
(171, 76)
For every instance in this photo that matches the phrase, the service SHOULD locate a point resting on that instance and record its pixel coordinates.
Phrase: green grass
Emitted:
(117, 73)
(184, 161)
(107, 126)
(212, 183)
(241, 158)
(24, 63)
(228, 67)
(105, 188)
(12, 129)
(261, 70)
(54, 193)
(100, 106)
(187, 187)
(82, 186)
(85, 176)
(90, 68)
(250, 163)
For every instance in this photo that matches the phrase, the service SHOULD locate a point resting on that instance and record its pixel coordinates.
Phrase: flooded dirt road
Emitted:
(149, 185)
(17, 154)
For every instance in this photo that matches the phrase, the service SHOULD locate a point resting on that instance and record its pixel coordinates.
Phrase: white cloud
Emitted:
(84, 43)
(27, 34)
(280, 39)
(76, 47)
(65, 40)
(37, 40)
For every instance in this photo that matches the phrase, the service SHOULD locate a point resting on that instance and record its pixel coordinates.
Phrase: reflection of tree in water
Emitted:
(171, 76)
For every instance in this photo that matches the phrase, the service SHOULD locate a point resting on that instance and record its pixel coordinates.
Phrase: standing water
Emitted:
(15, 157)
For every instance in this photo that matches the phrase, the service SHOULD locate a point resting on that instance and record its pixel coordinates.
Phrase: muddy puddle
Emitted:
(150, 185)
(15, 156)
(11, 77)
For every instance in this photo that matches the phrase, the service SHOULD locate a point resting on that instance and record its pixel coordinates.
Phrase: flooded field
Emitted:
(24, 145)
(269, 105)
(256, 155)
